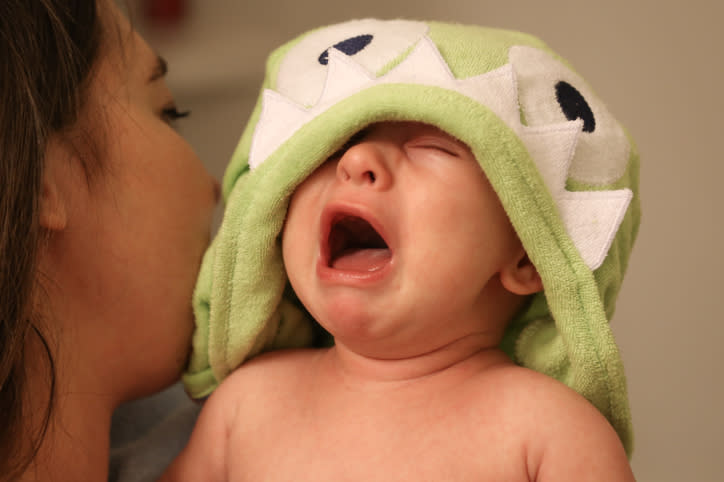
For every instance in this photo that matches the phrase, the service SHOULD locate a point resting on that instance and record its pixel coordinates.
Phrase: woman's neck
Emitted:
(75, 447)
(76, 443)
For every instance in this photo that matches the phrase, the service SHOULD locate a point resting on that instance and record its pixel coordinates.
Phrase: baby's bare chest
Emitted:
(420, 442)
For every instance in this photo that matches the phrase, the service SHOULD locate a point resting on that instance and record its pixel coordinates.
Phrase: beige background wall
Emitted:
(659, 66)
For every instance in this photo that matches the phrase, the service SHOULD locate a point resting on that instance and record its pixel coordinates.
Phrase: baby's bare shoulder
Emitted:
(523, 389)
(537, 404)
(561, 431)
(280, 368)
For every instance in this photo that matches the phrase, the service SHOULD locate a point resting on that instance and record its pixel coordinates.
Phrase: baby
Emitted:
(452, 233)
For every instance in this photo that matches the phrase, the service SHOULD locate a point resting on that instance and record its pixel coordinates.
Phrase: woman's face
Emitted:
(126, 262)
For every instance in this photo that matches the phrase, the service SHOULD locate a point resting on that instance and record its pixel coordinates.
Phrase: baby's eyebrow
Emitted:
(356, 137)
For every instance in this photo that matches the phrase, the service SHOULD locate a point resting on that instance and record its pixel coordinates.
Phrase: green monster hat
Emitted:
(563, 167)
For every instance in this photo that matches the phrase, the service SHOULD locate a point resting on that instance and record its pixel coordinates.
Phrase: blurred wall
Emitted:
(659, 67)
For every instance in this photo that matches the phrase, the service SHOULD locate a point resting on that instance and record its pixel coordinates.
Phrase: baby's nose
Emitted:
(365, 164)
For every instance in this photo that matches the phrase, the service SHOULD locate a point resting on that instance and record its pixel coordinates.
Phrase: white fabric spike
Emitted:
(552, 148)
(592, 219)
(344, 75)
(424, 66)
(496, 90)
(280, 118)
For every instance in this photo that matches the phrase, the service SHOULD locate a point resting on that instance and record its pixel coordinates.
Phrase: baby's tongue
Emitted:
(364, 260)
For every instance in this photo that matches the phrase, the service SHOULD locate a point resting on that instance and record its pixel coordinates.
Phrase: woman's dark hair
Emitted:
(48, 49)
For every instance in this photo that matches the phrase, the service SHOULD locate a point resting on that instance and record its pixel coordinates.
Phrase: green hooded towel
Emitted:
(563, 167)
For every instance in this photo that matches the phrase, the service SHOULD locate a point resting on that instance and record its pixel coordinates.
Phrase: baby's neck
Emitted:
(462, 357)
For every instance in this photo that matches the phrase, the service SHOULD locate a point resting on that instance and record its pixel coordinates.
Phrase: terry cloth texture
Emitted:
(565, 170)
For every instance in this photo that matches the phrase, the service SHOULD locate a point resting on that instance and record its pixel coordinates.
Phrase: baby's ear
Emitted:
(520, 276)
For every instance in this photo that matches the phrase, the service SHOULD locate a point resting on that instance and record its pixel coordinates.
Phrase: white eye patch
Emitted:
(550, 93)
(372, 43)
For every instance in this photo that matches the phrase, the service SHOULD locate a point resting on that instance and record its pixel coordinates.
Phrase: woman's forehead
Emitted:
(125, 47)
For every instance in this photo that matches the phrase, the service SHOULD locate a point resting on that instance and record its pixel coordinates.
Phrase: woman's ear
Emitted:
(53, 192)
(520, 276)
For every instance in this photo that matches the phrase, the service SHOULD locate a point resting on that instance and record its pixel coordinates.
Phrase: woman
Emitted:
(106, 213)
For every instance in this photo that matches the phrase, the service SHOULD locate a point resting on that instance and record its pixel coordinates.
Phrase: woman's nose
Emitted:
(365, 164)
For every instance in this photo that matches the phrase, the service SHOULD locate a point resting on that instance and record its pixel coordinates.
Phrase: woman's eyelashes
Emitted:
(171, 114)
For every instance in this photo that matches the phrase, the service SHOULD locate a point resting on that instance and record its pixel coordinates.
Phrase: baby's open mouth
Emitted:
(354, 245)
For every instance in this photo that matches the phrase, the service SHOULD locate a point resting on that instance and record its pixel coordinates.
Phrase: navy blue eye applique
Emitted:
(350, 47)
(574, 105)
